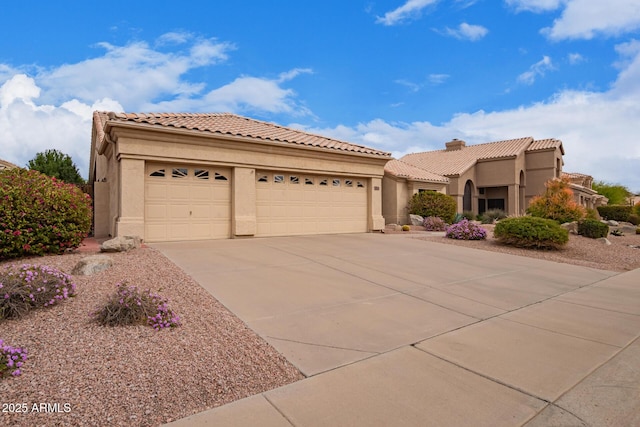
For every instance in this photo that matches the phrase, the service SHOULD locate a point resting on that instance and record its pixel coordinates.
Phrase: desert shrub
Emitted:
(468, 215)
(531, 232)
(11, 359)
(433, 223)
(637, 230)
(28, 287)
(466, 230)
(636, 209)
(556, 203)
(615, 212)
(457, 218)
(593, 214)
(492, 215)
(616, 232)
(592, 228)
(406, 228)
(432, 203)
(131, 306)
(40, 215)
(634, 219)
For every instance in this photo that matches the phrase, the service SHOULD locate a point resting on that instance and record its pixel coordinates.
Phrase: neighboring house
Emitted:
(188, 176)
(496, 175)
(6, 165)
(583, 193)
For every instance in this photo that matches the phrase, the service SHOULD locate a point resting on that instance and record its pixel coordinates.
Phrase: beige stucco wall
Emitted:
(396, 194)
(541, 166)
(122, 165)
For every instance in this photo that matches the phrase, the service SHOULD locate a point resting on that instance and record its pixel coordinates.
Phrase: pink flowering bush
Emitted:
(434, 223)
(11, 360)
(130, 306)
(466, 230)
(25, 287)
(40, 215)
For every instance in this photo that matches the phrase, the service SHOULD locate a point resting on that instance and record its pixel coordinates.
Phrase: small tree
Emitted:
(556, 203)
(616, 193)
(57, 165)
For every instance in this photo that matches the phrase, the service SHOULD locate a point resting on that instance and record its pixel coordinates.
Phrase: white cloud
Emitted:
(413, 87)
(467, 32)
(534, 5)
(537, 69)
(437, 79)
(575, 58)
(409, 10)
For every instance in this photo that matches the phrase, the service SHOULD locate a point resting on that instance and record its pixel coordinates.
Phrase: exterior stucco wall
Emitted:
(396, 194)
(541, 167)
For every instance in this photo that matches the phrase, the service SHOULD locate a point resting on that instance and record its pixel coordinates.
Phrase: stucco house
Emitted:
(168, 177)
(6, 165)
(583, 193)
(496, 175)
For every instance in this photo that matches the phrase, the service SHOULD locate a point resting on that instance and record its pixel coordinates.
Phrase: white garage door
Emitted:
(291, 204)
(186, 203)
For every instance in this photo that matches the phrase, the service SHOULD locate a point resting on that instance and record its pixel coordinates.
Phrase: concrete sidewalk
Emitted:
(391, 330)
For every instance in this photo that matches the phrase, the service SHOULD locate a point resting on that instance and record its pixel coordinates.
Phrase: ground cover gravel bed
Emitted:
(622, 255)
(133, 376)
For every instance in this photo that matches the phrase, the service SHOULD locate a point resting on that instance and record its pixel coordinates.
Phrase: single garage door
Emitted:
(186, 202)
(295, 204)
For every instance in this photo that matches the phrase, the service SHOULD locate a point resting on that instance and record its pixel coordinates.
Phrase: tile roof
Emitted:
(234, 125)
(404, 170)
(545, 144)
(455, 162)
(7, 165)
(575, 175)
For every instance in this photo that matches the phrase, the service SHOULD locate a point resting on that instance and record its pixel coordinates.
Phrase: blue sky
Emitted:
(397, 75)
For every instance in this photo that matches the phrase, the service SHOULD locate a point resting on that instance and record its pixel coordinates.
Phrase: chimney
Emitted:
(455, 144)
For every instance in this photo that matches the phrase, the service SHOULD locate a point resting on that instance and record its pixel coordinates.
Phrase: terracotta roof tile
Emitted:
(545, 144)
(575, 175)
(7, 165)
(234, 125)
(455, 162)
(404, 170)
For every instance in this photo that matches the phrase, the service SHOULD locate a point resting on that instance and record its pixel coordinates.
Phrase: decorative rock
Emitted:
(92, 265)
(571, 227)
(120, 244)
(604, 241)
(612, 223)
(416, 219)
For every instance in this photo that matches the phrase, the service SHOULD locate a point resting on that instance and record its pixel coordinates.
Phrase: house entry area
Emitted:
(492, 198)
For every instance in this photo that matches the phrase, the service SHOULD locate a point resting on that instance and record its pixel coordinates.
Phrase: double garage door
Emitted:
(194, 203)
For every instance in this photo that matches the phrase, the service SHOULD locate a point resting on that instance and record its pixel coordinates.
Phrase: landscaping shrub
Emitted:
(466, 230)
(556, 203)
(615, 212)
(130, 306)
(28, 287)
(531, 232)
(406, 228)
(492, 215)
(468, 215)
(40, 215)
(636, 209)
(638, 230)
(11, 359)
(432, 203)
(634, 219)
(593, 214)
(593, 228)
(433, 223)
(457, 218)
(617, 232)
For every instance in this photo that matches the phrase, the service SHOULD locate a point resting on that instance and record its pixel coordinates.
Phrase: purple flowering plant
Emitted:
(11, 359)
(434, 223)
(131, 306)
(29, 286)
(466, 230)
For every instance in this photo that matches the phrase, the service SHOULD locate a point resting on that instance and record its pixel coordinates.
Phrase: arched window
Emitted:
(467, 198)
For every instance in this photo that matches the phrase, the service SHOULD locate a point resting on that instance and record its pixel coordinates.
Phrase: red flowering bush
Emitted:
(40, 215)
(556, 203)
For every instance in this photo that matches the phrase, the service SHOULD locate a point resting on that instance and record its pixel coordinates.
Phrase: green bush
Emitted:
(636, 209)
(432, 203)
(531, 232)
(40, 215)
(593, 228)
(593, 214)
(634, 219)
(406, 228)
(615, 212)
(468, 215)
(492, 215)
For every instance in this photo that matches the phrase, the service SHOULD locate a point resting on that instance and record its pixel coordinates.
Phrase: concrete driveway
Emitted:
(392, 330)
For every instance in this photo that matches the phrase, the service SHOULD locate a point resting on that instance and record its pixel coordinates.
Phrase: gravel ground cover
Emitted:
(81, 374)
(622, 255)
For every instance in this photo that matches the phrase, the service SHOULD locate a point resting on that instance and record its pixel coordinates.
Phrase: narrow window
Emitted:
(278, 179)
(308, 181)
(348, 183)
(179, 172)
(219, 177)
(294, 179)
(360, 184)
(263, 178)
(336, 183)
(201, 174)
(323, 182)
(159, 172)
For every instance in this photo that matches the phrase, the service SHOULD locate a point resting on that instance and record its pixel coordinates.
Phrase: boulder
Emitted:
(120, 244)
(612, 223)
(92, 265)
(571, 227)
(416, 219)
(604, 241)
